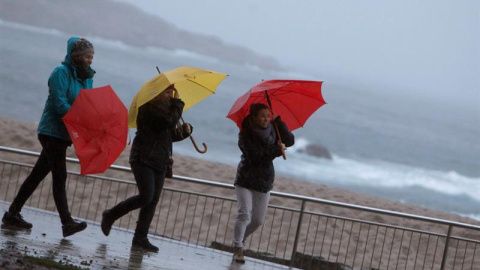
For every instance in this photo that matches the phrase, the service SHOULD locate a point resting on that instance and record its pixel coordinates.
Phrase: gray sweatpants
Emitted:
(252, 208)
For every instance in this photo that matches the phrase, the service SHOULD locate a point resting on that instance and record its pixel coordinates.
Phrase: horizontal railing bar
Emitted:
(285, 195)
(465, 239)
(377, 210)
(200, 194)
(373, 223)
(16, 163)
(32, 153)
(74, 173)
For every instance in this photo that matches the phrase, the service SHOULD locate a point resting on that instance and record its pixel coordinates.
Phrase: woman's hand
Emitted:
(187, 128)
(274, 116)
(175, 93)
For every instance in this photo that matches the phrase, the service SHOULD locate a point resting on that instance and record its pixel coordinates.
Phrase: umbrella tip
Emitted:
(158, 70)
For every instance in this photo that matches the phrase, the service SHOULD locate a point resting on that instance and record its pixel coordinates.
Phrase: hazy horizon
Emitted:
(428, 49)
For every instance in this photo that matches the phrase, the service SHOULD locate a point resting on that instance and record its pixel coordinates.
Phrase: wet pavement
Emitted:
(90, 249)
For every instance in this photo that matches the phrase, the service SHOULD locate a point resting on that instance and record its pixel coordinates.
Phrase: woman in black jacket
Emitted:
(149, 159)
(255, 173)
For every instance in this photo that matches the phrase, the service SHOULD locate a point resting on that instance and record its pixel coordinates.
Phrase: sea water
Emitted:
(416, 151)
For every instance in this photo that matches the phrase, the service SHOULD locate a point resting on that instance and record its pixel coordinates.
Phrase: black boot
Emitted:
(73, 227)
(15, 220)
(144, 244)
(107, 222)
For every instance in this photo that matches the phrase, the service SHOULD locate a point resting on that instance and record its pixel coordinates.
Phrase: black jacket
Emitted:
(156, 130)
(255, 170)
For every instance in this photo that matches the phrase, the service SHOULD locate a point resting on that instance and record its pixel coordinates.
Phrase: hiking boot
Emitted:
(144, 244)
(107, 223)
(238, 255)
(15, 220)
(73, 227)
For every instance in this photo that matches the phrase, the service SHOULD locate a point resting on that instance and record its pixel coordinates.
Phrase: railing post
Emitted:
(297, 234)
(445, 250)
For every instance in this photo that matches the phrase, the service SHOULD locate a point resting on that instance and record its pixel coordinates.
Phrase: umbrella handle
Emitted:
(279, 140)
(191, 137)
(196, 147)
(274, 124)
(195, 143)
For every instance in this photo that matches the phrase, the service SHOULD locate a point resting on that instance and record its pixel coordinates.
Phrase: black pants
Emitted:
(52, 159)
(150, 184)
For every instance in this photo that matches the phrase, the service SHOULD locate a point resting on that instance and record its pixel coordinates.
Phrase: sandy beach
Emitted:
(22, 135)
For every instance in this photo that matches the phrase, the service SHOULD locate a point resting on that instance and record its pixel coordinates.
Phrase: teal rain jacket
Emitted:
(64, 87)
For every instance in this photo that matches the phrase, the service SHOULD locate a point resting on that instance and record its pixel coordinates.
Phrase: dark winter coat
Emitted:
(156, 131)
(255, 170)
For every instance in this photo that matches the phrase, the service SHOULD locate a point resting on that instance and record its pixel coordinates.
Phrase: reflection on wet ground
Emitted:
(90, 249)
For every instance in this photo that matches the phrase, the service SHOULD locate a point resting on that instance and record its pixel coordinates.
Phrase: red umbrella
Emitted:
(295, 101)
(98, 126)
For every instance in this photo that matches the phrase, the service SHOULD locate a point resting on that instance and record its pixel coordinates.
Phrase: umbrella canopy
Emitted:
(193, 85)
(97, 124)
(294, 100)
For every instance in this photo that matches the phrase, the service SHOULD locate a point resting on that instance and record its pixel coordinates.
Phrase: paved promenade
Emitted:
(90, 249)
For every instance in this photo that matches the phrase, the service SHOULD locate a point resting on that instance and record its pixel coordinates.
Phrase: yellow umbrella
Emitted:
(193, 85)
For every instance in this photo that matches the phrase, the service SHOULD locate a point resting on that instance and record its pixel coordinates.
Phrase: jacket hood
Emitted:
(68, 60)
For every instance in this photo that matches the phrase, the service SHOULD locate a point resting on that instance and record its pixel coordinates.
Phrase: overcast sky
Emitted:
(428, 47)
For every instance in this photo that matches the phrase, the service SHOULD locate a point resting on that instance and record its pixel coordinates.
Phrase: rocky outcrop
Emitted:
(316, 150)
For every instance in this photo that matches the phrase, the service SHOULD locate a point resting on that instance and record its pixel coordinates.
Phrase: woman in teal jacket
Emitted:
(64, 85)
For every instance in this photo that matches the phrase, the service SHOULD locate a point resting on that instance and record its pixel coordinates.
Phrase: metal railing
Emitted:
(299, 231)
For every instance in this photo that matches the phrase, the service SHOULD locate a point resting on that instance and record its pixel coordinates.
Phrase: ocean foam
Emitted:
(30, 28)
(376, 173)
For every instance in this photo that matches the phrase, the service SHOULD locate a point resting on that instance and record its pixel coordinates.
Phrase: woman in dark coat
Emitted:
(149, 159)
(255, 173)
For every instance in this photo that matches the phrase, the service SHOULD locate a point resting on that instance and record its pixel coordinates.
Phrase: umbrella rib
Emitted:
(294, 116)
(114, 136)
(203, 87)
(261, 97)
(282, 92)
(258, 98)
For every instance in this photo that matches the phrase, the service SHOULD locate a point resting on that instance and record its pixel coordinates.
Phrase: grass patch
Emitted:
(49, 262)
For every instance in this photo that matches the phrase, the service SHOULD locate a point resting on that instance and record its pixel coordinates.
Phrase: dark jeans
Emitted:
(52, 159)
(150, 184)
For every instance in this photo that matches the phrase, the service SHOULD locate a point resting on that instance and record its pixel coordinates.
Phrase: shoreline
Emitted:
(22, 135)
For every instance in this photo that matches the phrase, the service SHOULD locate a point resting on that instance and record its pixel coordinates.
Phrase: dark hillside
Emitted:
(121, 21)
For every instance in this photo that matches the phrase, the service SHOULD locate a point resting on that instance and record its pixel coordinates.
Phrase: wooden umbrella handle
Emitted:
(279, 140)
(195, 143)
(191, 137)
(274, 124)
(196, 147)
